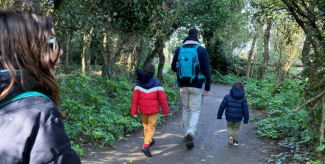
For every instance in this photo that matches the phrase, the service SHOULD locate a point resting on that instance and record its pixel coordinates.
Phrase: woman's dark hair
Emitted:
(149, 67)
(239, 84)
(23, 46)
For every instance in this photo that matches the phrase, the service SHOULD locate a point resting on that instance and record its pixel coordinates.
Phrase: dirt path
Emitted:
(210, 142)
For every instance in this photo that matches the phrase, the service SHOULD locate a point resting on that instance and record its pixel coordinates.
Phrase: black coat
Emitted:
(32, 131)
(236, 106)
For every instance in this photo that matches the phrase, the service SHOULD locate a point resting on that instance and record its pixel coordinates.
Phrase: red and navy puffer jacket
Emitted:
(148, 95)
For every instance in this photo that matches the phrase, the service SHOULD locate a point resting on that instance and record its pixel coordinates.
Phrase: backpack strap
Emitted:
(201, 76)
(181, 47)
(24, 95)
(196, 46)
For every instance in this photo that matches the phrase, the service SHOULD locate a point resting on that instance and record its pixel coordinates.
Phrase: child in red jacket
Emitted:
(148, 95)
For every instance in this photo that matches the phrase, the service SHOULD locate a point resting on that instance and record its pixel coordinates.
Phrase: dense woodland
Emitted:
(277, 47)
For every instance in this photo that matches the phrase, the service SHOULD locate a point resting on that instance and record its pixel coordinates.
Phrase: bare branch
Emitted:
(308, 101)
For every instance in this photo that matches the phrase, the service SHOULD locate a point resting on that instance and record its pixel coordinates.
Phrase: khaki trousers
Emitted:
(149, 126)
(192, 104)
(233, 129)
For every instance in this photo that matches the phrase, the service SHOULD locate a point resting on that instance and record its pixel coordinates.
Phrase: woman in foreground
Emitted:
(31, 126)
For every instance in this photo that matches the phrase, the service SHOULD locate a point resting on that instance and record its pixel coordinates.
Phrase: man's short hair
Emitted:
(193, 32)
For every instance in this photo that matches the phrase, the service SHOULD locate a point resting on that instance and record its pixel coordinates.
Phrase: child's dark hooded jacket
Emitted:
(236, 106)
(32, 130)
(148, 95)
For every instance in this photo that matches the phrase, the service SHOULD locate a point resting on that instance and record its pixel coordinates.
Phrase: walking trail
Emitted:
(210, 142)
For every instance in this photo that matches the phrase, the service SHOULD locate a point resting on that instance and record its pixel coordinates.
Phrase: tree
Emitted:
(251, 51)
(220, 24)
(309, 15)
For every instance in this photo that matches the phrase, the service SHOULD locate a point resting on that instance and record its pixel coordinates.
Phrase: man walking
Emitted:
(191, 86)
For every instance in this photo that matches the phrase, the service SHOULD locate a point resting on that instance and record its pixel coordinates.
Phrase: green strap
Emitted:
(24, 95)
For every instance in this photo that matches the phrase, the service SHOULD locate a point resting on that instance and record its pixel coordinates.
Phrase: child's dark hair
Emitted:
(238, 84)
(149, 67)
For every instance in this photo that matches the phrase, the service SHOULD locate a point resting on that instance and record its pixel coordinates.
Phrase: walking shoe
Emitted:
(189, 140)
(152, 142)
(236, 143)
(230, 140)
(146, 151)
(184, 139)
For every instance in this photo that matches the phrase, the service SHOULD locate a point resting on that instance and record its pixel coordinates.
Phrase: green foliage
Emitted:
(172, 92)
(5, 3)
(229, 79)
(77, 149)
(130, 16)
(281, 121)
(293, 146)
(99, 109)
(314, 162)
(259, 92)
(95, 108)
(221, 61)
(321, 147)
(206, 13)
(269, 160)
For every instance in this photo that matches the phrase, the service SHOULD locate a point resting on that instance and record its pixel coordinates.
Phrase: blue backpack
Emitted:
(188, 65)
(24, 95)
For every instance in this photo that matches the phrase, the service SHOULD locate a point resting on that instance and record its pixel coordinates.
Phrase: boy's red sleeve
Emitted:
(135, 100)
(163, 101)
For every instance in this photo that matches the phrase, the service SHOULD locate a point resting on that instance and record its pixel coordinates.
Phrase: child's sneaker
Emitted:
(146, 151)
(230, 140)
(236, 143)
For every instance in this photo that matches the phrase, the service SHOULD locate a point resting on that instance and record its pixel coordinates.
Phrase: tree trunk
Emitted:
(120, 43)
(137, 54)
(322, 126)
(105, 53)
(266, 40)
(67, 52)
(160, 47)
(250, 54)
(85, 51)
(207, 40)
(152, 54)
(83, 56)
(88, 52)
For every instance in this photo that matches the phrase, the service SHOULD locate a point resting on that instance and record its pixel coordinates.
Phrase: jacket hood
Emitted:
(237, 93)
(191, 38)
(143, 77)
(146, 80)
(4, 83)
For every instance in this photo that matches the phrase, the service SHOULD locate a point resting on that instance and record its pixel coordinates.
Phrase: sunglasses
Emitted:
(55, 44)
